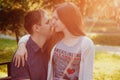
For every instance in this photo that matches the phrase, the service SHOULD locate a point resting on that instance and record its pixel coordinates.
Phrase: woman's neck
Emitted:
(70, 39)
(68, 35)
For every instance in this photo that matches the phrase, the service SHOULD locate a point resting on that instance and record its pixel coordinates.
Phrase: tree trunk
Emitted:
(16, 30)
(17, 35)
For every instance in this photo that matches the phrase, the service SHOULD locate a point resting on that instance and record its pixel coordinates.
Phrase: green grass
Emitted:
(7, 49)
(106, 66)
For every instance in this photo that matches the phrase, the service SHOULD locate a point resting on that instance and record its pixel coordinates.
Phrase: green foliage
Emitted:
(11, 16)
(3, 70)
(12, 11)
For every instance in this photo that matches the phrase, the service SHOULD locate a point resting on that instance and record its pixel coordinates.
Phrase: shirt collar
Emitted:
(33, 45)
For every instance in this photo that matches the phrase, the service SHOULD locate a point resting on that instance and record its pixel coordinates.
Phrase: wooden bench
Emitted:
(8, 71)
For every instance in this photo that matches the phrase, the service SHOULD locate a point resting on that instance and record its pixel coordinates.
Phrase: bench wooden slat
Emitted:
(3, 63)
(6, 78)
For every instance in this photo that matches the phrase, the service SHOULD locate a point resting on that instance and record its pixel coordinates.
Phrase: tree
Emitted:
(11, 17)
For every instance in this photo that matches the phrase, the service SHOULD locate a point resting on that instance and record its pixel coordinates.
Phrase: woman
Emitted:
(72, 56)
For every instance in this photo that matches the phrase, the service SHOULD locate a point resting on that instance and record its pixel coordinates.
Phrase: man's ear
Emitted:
(36, 28)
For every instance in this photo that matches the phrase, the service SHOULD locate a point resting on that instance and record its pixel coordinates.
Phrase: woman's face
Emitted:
(59, 26)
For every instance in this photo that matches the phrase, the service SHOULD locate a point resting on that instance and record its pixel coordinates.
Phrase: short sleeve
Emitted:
(24, 38)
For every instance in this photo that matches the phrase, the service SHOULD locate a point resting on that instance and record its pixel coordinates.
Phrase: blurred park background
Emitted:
(101, 23)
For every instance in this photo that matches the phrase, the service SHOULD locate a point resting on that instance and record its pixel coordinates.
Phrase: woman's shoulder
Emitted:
(86, 40)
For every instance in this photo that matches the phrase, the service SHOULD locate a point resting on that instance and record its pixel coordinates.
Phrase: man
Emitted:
(35, 68)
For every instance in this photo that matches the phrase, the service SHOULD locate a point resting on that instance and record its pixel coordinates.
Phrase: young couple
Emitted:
(62, 52)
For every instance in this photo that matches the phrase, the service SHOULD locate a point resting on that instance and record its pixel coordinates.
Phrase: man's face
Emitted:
(45, 25)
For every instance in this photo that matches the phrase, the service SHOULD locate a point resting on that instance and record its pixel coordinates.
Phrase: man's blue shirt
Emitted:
(36, 64)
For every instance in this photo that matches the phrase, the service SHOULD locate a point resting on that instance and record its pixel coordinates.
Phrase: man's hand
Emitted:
(20, 55)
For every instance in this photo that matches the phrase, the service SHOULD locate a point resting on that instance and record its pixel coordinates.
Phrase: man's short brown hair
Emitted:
(31, 18)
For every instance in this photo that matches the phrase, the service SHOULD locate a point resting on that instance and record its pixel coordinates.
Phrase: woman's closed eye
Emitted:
(55, 18)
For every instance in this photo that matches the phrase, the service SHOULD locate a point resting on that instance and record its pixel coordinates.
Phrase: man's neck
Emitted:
(39, 40)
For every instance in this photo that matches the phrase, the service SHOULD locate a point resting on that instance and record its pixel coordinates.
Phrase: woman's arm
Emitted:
(24, 39)
(87, 60)
(88, 63)
(21, 53)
